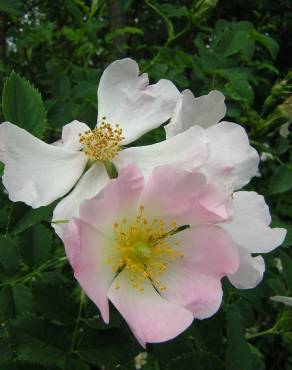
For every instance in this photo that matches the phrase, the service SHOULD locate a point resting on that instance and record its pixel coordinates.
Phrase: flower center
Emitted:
(144, 248)
(102, 143)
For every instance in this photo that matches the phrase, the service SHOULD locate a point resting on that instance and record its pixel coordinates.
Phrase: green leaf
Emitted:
(9, 258)
(287, 269)
(5, 350)
(241, 42)
(76, 364)
(15, 301)
(270, 44)
(106, 348)
(53, 301)
(20, 365)
(240, 90)
(281, 181)
(39, 342)
(277, 286)
(11, 6)
(32, 217)
(36, 245)
(238, 355)
(23, 105)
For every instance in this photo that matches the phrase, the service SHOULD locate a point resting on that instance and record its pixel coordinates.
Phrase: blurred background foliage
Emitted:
(242, 48)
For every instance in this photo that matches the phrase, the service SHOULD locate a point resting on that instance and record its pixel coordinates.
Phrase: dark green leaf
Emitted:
(23, 105)
(287, 269)
(281, 181)
(54, 301)
(32, 217)
(9, 259)
(11, 6)
(15, 301)
(39, 342)
(238, 355)
(36, 245)
(270, 44)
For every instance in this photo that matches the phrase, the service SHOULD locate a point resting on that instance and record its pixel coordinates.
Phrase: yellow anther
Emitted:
(144, 247)
(102, 143)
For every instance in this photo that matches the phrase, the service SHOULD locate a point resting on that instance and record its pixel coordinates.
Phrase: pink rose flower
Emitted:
(128, 246)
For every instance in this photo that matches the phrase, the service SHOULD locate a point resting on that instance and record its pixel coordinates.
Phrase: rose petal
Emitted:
(249, 226)
(90, 184)
(152, 318)
(35, 172)
(250, 271)
(88, 252)
(204, 111)
(127, 99)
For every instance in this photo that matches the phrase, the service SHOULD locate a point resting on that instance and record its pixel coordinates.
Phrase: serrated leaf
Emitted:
(238, 355)
(281, 181)
(32, 217)
(15, 301)
(11, 6)
(39, 342)
(9, 258)
(106, 348)
(23, 105)
(54, 301)
(36, 245)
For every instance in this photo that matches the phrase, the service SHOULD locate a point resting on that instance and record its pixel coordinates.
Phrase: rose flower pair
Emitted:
(157, 240)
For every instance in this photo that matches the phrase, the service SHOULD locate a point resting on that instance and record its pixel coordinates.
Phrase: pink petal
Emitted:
(152, 318)
(119, 199)
(207, 249)
(194, 280)
(88, 252)
(90, 184)
(172, 193)
(199, 293)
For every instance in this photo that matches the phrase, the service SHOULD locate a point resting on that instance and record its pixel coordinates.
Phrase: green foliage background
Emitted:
(242, 48)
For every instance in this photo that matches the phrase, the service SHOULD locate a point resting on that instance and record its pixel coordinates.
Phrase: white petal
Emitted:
(151, 317)
(70, 134)
(249, 226)
(282, 299)
(35, 172)
(231, 156)
(250, 271)
(89, 185)
(204, 111)
(188, 150)
(127, 99)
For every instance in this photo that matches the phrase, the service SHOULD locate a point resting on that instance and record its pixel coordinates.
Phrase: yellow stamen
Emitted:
(102, 143)
(144, 248)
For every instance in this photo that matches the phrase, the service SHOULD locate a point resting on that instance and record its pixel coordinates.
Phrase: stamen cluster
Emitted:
(102, 143)
(144, 249)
